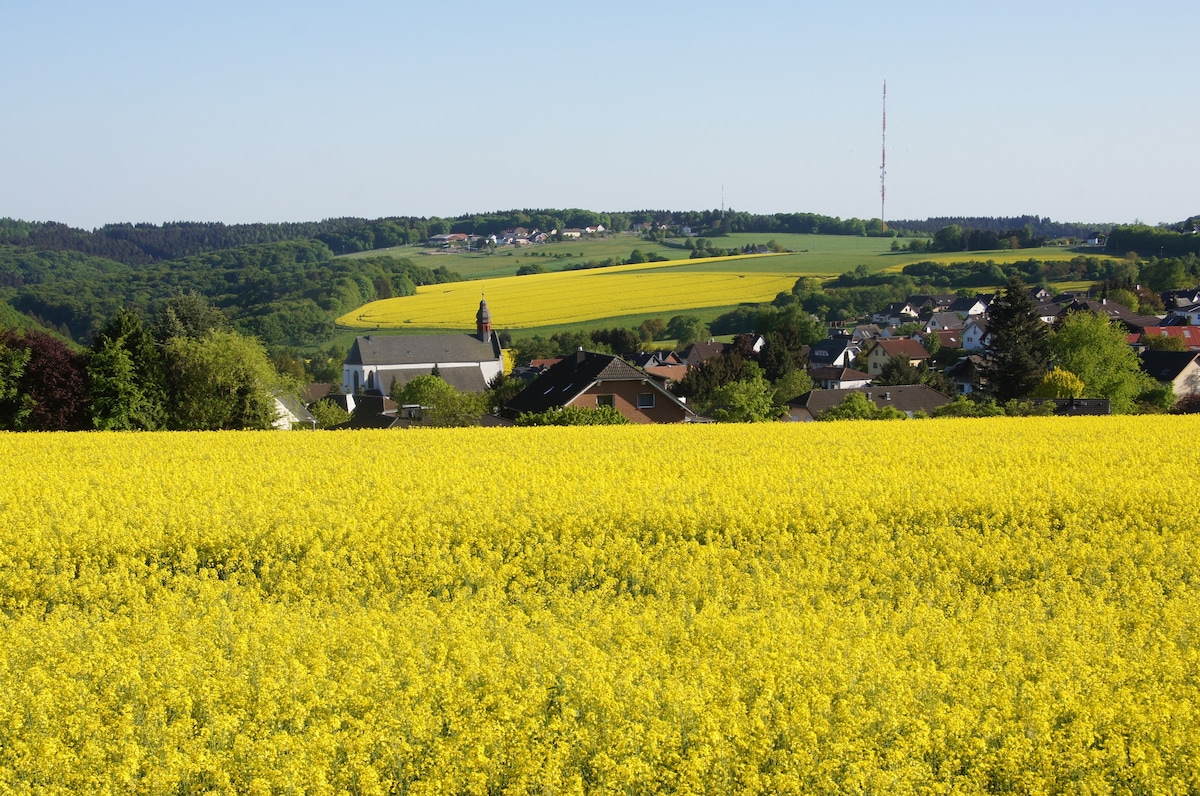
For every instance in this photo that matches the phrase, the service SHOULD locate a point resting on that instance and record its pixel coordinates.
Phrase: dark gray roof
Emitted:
(1166, 365)
(965, 304)
(1073, 407)
(907, 398)
(950, 320)
(463, 379)
(404, 349)
(934, 299)
(840, 374)
(562, 383)
(826, 351)
(1113, 311)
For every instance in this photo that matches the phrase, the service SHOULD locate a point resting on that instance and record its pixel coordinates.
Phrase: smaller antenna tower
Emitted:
(883, 164)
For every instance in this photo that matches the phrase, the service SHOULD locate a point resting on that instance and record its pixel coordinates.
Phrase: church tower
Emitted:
(483, 321)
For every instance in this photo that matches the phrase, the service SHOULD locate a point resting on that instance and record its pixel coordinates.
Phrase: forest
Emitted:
(284, 293)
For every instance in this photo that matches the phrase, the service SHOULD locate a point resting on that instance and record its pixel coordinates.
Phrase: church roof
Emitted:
(437, 349)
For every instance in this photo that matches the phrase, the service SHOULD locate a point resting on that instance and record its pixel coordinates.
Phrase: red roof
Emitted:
(1190, 334)
(904, 346)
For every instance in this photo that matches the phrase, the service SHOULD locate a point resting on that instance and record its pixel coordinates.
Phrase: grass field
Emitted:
(818, 255)
(552, 256)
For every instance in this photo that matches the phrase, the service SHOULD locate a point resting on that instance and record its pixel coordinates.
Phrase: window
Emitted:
(645, 400)
(604, 400)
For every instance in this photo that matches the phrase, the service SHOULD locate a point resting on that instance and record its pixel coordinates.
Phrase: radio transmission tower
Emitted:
(883, 164)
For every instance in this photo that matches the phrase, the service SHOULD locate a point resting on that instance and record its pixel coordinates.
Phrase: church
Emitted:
(468, 362)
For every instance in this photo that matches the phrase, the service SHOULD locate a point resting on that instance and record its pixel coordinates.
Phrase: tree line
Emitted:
(1038, 226)
(1179, 240)
(188, 369)
(284, 293)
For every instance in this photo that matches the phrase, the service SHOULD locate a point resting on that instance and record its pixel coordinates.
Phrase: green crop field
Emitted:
(809, 255)
(551, 256)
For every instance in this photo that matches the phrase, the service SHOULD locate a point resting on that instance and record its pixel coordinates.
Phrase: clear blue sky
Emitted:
(298, 111)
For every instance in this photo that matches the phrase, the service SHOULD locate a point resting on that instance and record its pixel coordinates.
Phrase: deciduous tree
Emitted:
(221, 380)
(441, 404)
(51, 388)
(1059, 383)
(1094, 349)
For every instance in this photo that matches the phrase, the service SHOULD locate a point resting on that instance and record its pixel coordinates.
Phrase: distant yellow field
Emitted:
(521, 302)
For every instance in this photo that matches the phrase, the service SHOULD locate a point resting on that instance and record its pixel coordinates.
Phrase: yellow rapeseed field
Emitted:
(571, 296)
(941, 606)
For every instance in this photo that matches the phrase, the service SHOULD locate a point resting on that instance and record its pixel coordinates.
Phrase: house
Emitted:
(1173, 299)
(1189, 334)
(1180, 369)
(966, 374)
(1097, 240)
(839, 378)
(907, 398)
(867, 333)
(947, 338)
(1047, 310)
(291, 413)
(833, 352)
(1111, 310)
(370, 411)
(969, 307)
(944, 321)
(883, 350)
(896, 313)
(588, 379)
(696, 353)
(571, 234)
(666, 366)
(937, 302)
(467, 362)
(974, 335)
(1190, 312)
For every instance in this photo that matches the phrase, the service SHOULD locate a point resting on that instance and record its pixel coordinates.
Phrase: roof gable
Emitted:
(1166, 365)
(562, 383)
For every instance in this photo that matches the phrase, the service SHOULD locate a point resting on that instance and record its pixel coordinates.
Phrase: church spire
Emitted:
(483, 321)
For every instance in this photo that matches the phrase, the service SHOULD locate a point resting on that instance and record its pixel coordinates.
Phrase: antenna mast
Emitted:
(883, 164)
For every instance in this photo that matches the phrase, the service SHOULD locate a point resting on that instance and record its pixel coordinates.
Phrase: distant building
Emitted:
(467, 362)
(588, 379)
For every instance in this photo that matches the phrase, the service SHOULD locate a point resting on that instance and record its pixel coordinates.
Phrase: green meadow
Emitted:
(808, 255)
